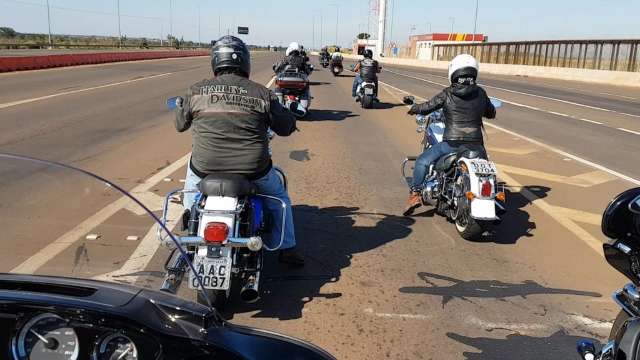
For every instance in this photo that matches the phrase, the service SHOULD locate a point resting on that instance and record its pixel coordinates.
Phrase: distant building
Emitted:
(359, 45)
(420, 45)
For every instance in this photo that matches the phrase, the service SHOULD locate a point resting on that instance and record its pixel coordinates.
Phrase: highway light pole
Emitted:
(199, 40)
(49, 22)
(475, 23)
(170, 23)
(337, 20)
(119, 31)
(453, 21)
(382, 22)
(429, 26)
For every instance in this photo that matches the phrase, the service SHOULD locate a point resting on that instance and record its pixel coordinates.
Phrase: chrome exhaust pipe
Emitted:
(249, 293)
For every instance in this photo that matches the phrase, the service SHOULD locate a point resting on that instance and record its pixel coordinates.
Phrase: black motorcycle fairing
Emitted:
(628, 341)
(164, 325)
(620, 223)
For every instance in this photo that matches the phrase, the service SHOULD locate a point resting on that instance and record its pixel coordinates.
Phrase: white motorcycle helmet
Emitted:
(463, 65)
(294, 46)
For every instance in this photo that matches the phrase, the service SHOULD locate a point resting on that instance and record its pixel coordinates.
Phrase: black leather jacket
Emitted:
(369, 69)
(296, 61)
(463, 107)
(229, 116)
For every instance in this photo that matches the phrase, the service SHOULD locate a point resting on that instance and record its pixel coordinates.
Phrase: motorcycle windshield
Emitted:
(61, 221)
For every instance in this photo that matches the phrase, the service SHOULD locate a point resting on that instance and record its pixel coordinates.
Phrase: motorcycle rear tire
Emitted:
(367, 101)
(472, 230)
(218, 299)
(618, 324)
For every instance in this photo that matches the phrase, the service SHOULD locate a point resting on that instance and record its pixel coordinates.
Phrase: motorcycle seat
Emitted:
(472, 151)
(222, 184)
(446, 162)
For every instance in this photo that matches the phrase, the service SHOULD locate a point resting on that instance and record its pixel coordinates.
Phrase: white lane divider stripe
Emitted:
(531, 107)
(629, 131)
(548, 147)
(26, 101)
(37, 260)
(527, 94)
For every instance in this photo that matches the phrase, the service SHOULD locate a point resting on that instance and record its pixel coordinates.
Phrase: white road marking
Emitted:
(397, 316)
(27, 101)
(548, 147)
(629, 131)
(591, 121)
(37, 260)
(273, 79)
(524, 93)
(621, 96)
(132, 238)
(92, 237)
(591, 323)
(488, 325)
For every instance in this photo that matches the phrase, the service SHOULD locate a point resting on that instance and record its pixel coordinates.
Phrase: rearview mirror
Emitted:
(172, 103)
(496, 103)
(408, 100)
(634, 206)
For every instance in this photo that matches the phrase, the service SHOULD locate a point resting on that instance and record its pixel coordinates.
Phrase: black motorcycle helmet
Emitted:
(621, 220)
(368, 54)
(230, 54)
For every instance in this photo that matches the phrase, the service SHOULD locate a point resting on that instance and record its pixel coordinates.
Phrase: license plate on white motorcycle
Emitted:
(480, 166)
(215, 273)
(368, 91)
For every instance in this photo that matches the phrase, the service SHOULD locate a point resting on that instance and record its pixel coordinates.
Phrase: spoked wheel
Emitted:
(468, 228)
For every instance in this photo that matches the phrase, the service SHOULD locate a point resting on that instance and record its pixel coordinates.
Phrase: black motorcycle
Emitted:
(324, 61)
(621, 224)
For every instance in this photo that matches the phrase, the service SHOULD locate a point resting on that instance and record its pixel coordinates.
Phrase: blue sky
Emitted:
(501, 20)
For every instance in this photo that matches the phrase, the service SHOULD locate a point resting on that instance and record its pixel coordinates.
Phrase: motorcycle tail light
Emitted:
(486, 188)
(292, 97)
(216, 232)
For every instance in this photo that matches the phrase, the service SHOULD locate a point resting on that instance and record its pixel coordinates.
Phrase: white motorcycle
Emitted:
(463, 185)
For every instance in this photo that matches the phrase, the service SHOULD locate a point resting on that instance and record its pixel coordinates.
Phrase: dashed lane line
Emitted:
(70, 92)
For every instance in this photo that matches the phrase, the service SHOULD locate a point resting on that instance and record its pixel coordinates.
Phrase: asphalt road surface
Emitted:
(377, 285)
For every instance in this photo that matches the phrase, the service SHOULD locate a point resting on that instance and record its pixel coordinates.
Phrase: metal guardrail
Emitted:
(94, 46)
(615, 55)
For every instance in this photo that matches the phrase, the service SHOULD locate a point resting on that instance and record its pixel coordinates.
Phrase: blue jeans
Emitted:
(424, 161)
(269, 184)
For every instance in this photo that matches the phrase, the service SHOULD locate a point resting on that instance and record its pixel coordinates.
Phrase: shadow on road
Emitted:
(560, 345)
(318, 83)
(385, 106)
(483, 289)
(300, 155)
(516, 223)
(328, 115)
(329, 237)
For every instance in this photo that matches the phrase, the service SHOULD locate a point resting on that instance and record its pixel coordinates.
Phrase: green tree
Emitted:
(363, 36)
(8, 32)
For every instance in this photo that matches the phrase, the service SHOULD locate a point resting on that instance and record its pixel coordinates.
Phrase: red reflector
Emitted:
(486, 189)
(292, 97)
(216, 232)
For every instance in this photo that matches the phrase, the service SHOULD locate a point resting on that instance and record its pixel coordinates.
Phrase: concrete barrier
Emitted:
(19, 63)
(622, 78)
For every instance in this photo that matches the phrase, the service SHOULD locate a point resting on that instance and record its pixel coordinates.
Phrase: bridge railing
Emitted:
(615, 55)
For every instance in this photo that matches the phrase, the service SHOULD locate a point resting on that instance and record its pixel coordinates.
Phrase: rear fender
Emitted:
(219, 209)
(481, 208)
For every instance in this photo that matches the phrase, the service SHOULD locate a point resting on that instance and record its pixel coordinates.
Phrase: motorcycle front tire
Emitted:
(618, 324)
(367, 101)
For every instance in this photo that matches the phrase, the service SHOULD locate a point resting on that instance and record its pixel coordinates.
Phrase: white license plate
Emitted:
(368, 91)
(215, 273)
(483, 167)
